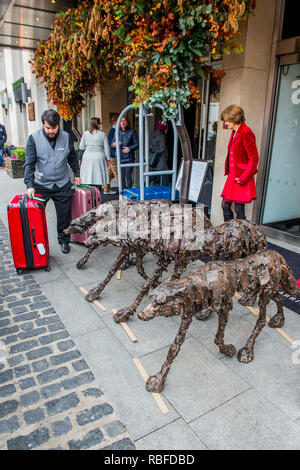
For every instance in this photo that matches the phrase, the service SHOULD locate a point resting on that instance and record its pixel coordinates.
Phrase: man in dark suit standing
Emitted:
(3, 138)
(48, 153)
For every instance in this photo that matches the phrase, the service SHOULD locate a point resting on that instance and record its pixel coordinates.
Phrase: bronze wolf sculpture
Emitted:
(233, 239)
(212, 287)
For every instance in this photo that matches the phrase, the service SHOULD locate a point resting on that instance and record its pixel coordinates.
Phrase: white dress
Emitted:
(93, 168)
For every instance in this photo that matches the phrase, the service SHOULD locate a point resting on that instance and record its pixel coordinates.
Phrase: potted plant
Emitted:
(14, 164)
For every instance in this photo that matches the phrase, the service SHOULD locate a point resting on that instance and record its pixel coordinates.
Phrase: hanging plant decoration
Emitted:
(161, 46)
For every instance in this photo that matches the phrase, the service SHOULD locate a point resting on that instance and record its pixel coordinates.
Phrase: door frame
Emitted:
(284, 52)
(204, 87)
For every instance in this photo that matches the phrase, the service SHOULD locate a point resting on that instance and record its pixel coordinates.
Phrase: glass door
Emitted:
(282, 198)
(208, 116)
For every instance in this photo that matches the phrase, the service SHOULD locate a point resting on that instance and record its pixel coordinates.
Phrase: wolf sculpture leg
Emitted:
(123, 314)
(139, 266)
(278, 320)
(82, 262)
(156, 382)
(179, 267)
(94, 293)
(227, 349)
(246, 354)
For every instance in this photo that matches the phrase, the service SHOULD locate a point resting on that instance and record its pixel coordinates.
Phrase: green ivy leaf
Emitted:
(198, 52)
(167, 60)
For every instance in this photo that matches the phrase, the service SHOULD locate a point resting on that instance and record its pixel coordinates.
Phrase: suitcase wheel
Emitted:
(19, 271)
(47, 268)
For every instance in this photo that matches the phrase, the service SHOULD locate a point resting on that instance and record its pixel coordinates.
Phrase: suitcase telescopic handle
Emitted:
(33, 237)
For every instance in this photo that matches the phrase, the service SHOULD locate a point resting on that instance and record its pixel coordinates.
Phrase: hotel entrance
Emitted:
(279, 183)
(282, 197)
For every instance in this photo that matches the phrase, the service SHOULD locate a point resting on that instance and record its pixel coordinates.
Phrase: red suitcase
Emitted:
(85, 198)
(28, 232)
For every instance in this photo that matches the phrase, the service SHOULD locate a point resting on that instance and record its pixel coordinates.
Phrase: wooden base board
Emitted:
(96, 302)
(126, 328)
(255, 311)
(157, 397)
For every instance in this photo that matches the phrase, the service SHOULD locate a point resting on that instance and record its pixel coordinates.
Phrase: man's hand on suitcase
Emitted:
(77, 181)
(30, 192)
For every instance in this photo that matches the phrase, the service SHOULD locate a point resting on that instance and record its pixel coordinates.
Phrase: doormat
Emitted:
(293, 260)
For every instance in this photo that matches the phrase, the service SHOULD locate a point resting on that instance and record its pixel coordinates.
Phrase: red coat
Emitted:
(241, 162)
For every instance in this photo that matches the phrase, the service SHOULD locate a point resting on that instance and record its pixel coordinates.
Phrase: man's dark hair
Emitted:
(51, 116)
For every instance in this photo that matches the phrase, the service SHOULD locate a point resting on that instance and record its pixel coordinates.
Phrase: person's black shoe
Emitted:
(65, 247)
(132, 261)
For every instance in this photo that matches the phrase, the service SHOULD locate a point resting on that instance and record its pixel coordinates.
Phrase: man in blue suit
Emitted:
(3, 138)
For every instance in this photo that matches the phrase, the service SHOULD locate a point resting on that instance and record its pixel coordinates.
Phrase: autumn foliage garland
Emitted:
(74, 60)
(162, 45)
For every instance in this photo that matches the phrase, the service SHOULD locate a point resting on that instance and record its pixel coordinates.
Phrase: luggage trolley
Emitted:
(143, 164)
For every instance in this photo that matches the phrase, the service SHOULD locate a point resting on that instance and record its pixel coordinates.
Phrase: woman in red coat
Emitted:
(240, 165)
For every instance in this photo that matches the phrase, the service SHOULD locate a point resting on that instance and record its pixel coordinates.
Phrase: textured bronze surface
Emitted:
(210, 288)
(137, 248)
(88, 220)
(232, 239)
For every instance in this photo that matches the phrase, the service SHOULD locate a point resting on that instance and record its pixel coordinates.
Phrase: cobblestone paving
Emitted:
(48, 396)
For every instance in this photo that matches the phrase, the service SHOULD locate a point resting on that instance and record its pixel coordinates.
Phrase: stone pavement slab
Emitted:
(55, 274)
(117, 294)
(123, 383)
(93, 272)
(77, 314)
(151, 335)
(174, 436)
(274, 375)
(197, 381)
(247, 422)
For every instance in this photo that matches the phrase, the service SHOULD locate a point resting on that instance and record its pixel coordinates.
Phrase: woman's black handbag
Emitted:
(79, 154)
(154, 158)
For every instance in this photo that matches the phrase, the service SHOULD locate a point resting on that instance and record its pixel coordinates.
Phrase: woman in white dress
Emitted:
(93, 168)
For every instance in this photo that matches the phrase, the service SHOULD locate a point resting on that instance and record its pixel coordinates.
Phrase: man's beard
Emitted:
(51, 136)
